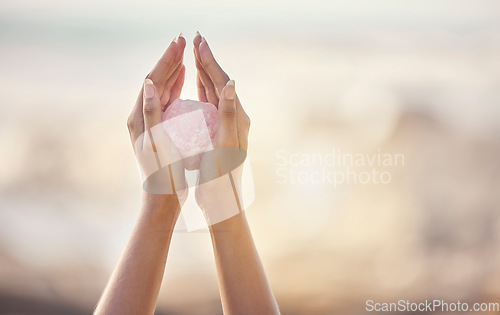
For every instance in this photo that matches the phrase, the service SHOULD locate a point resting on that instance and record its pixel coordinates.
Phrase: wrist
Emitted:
(231, 231)
(163, 208)
(218, 200)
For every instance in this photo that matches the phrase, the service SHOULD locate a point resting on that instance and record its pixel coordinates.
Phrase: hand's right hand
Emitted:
(219, 189)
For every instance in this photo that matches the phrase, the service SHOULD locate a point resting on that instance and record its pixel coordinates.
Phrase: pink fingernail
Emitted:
(230, 90)
(149, 89)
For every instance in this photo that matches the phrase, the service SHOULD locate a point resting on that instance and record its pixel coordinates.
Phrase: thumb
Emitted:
(227, 134)
(151, 107)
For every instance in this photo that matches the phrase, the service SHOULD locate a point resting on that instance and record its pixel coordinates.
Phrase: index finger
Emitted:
(212, 68)
(168, 62)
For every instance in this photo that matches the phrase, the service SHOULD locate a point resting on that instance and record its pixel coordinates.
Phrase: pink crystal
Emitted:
(192, 134)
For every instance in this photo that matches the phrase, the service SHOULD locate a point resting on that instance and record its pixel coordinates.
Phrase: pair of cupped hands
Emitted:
(158, 157)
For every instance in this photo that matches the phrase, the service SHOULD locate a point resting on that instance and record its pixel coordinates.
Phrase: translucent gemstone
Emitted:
(191, 125)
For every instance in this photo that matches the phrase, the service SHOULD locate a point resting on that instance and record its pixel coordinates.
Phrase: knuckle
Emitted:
(220, 86)
(208, 63)
(149, 107)
(246, 121)
(228, 112)
(131, 122)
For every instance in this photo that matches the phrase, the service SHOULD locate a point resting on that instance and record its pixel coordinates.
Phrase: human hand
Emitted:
(159, 161)
(218, 192)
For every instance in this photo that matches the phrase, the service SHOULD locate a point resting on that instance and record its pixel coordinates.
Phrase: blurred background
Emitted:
(420, 79)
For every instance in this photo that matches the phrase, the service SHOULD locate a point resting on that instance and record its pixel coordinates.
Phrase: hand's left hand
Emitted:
(154, 150)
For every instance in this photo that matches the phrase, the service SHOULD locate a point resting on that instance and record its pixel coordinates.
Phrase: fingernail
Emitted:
(203, 39)
(198, 33)
(177, 37)
(230, 92)
(149, 89)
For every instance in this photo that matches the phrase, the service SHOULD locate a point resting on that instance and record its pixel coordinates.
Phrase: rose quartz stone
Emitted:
(191, 132)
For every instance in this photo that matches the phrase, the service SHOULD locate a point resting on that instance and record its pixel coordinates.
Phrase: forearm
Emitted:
(135, 283)
(243, 284)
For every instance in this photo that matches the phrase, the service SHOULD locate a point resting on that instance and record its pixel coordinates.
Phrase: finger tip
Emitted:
(204, 50)
(229, 91)
(203, 43)
(197, 39)
(172, 49)
(181, 42)
(196, 43)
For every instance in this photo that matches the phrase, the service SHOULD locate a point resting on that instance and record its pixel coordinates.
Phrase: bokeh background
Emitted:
(418, 78)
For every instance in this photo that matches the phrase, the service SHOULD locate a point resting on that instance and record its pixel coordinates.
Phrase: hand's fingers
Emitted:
(167, 87)
(211, 94)
(165, 65)
(181, 42)
(160, 73)
(151, 107)
(168, 62)
(202, 96)
(175, 92)
(243, 122)
(212, 68)
(227, 133)
(135, 122)
(196, 45)
(156, 140)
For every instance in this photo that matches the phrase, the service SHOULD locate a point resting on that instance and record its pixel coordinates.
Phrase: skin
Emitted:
(135, 283)
(243, 285)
